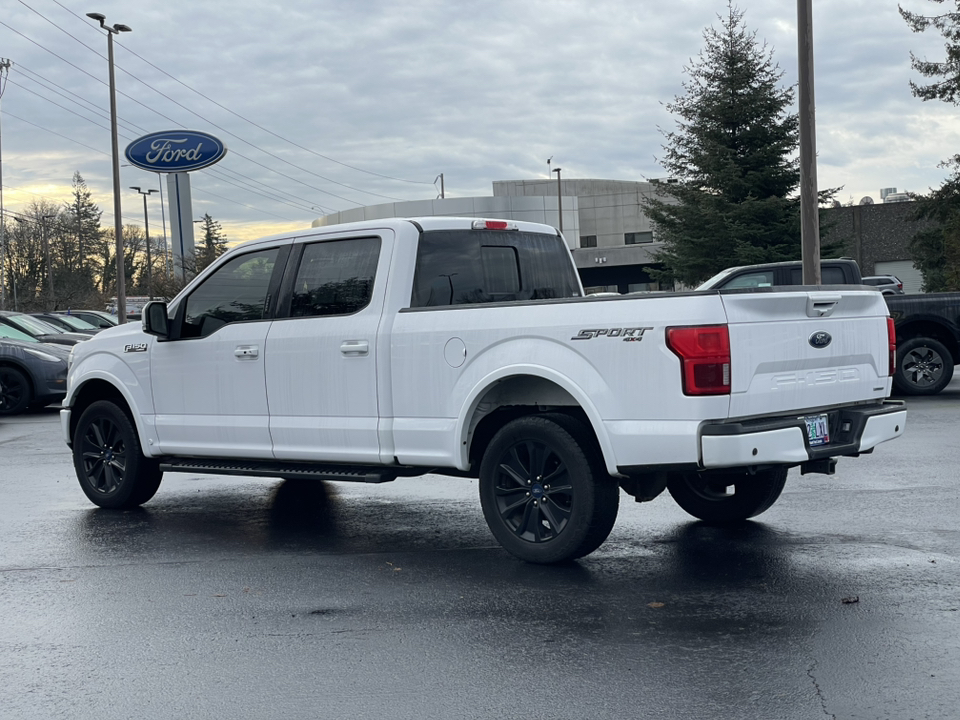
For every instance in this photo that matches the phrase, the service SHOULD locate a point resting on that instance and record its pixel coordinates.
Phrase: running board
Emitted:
(268, 468)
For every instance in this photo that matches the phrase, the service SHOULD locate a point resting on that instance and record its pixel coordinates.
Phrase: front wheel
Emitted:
(544, 490)
(924, 367)
(15, 394)
(726, 499)
(112, 469)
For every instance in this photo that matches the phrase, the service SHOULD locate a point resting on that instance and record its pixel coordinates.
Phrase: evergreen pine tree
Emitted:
(79, 230)
(733, 155)
(946, 73)
(936, 249)
(214, 243)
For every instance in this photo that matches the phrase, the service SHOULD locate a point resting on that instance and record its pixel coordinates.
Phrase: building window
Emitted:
(636, 238)
(588, 241)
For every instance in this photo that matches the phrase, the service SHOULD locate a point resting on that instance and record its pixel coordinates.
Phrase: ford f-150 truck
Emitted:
(395, 348)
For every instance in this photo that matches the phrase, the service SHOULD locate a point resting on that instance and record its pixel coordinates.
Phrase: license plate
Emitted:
(818, 430)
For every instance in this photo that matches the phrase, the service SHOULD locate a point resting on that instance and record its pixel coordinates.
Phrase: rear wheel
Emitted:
(924, 367)
(15, 393)
(112, 469)
(727, 498)
(544, 490)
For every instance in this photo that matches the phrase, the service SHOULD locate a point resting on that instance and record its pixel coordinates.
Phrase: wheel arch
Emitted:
(97, 388)
(516, 391)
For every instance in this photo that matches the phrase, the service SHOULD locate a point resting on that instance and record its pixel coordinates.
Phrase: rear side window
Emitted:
(458, 267)
(751, 280)
(828, 276)
(832, 276)
(335, 277)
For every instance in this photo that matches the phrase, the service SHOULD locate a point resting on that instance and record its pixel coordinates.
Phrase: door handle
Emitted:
(354, 348)
(247, 351)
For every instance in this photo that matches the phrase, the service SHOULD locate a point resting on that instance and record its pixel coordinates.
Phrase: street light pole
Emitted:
(112, 30)
(146, 229)
(559, 199)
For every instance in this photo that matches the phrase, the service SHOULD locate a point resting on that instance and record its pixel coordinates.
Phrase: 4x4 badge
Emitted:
(820, 339)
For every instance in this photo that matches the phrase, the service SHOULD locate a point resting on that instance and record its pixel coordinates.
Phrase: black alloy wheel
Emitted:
(545, 493)
(727, 498)
(924, 367)
(15, 393)
(111, 468)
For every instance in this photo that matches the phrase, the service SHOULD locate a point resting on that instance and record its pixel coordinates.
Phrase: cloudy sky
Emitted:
(331, 104)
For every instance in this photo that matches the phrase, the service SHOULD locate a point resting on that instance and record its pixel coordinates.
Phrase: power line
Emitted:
(268, 196)
(222, 129)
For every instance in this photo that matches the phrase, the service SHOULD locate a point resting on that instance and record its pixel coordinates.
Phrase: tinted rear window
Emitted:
(458, 267)
(828, 276)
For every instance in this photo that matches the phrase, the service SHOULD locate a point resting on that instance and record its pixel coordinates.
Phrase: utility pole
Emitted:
(4, 71)
(809, 214)
(146, 228)
(51, 300)
(440, 178)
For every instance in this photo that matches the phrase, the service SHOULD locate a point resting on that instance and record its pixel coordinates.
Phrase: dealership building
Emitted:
(612, 240)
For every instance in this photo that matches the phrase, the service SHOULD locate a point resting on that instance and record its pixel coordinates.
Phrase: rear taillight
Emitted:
(892, 345)
(704, 354)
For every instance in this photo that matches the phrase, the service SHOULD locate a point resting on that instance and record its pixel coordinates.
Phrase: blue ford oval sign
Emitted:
(820, 339)
(174, 151)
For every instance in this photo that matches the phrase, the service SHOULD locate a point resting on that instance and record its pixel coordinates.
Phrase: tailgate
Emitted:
(804, 349)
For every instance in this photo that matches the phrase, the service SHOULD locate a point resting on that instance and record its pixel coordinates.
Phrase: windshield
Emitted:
(75, 322)
(33, 325)
(12, 333)
(715, 280)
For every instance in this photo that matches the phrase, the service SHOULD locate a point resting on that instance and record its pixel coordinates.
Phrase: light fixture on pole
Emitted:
(146, 230)
(559, 200)
(117, 221)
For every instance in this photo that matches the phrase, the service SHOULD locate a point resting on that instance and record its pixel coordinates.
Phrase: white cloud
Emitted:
(480, 91)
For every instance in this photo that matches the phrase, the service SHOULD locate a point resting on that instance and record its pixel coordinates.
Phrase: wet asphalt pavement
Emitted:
(242, 598)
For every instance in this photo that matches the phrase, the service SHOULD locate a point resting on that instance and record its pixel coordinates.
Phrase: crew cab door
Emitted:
(208, 381)
(321, 369)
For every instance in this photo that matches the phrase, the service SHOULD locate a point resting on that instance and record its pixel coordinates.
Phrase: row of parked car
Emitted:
(33, 354)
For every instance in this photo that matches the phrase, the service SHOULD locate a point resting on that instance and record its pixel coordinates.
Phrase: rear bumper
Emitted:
(783, 440)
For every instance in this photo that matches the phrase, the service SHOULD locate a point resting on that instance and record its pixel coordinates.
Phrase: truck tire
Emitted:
(924, 367)
(709, 497)
(544, 490)
(111, 468)
(15, 391)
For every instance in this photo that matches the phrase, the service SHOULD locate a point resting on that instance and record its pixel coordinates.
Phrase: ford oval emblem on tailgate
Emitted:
(820, 340)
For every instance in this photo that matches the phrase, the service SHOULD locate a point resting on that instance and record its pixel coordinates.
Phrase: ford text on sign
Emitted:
(174, 151)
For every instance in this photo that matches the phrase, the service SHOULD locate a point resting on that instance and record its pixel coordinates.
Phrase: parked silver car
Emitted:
(887, 284)
(40, 330)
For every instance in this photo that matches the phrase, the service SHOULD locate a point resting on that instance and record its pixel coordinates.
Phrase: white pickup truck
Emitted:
(395, 348)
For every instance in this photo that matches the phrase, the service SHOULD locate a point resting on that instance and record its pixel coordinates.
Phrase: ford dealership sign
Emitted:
(175, 151)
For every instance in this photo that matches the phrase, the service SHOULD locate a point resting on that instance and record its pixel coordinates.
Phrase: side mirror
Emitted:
(155, 319)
